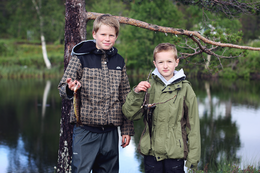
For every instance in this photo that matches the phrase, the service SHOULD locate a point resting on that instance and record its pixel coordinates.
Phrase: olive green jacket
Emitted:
(175, 127)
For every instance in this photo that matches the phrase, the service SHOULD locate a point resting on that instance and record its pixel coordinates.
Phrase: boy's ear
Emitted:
(154, 64)
(177, 62)
(94, 34)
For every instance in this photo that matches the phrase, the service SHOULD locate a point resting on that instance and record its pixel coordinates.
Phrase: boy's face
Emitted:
(105, 37)
(166, 63)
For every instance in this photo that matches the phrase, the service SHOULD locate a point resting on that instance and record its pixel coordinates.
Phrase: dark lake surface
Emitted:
(30, 124)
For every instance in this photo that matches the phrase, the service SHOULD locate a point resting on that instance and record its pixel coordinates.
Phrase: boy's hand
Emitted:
(73, 84)
(142, 86)
(125, 140)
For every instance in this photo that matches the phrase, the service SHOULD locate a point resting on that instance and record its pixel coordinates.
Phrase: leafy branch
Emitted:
(195, 36)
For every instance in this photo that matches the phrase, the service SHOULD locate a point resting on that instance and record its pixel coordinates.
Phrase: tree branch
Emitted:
(229, 8)
(156, 28)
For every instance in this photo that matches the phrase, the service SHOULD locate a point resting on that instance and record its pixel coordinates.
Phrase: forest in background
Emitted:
(20, 29)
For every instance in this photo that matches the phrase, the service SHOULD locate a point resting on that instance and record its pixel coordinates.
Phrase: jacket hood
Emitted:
(84, 47)
(178, 76)
(87, 46)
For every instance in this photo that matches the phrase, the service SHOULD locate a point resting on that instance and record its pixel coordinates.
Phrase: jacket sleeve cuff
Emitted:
(127, 130)
(191, 165)
(69, 92)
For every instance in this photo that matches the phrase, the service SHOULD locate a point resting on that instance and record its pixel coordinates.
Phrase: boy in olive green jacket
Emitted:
(169, 106)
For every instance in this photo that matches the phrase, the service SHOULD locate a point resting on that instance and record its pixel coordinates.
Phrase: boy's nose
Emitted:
(107, 37)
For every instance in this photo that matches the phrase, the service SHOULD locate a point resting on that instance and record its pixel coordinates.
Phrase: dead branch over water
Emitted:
(194, 35)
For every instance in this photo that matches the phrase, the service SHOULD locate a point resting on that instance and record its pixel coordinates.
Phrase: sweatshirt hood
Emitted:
(178, 76)
(87, 46)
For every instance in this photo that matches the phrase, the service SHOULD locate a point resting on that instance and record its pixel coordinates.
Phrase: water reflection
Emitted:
(217, 130)
(30, 115)
(27, 137)
(45, 95)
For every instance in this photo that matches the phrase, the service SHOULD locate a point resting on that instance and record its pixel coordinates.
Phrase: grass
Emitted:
(226, 166)
(20, 59)
(17, 72)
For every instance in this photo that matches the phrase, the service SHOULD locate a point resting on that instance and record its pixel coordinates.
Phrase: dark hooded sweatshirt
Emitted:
(104, 86)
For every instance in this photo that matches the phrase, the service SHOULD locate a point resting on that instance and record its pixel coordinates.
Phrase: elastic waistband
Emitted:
(98, 128)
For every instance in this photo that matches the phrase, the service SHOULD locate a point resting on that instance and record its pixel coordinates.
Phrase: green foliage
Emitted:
(7, 48)
(19, 20)
(227, 167)
(228, 73)
(250, 27)
(114, 7)
(218, 29)
(53, 12)
(251, 61)
(31, 56)
(137, 44)
(17, 72)
(18, 59)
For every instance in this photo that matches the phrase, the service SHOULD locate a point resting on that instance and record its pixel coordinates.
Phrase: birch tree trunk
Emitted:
(75, 31)
(208, 62)
(44, 50)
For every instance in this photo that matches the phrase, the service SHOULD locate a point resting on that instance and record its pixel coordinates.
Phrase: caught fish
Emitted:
(76, 104)
(148, 116)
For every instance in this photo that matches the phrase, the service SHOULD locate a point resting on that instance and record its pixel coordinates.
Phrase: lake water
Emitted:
(30, 123)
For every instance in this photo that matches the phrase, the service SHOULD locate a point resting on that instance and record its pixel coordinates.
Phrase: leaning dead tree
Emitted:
(195, 36)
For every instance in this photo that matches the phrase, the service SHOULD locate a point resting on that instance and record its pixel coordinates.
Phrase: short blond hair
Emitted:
(106, 19)
(162, 47)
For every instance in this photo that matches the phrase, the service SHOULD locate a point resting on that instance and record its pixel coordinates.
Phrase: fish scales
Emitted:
(76, 105)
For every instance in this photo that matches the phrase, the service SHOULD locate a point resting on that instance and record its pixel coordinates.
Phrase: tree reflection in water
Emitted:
(219, 135)
(29, 132)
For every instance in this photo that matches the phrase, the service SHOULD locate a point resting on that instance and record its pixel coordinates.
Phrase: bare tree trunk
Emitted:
(44, 50)
(75, 31)
(208, 62)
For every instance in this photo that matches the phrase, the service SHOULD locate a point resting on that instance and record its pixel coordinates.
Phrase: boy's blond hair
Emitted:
(162, 47)
(106, 19)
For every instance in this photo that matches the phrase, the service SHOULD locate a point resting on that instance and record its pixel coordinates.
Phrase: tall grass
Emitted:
(226, 166)
(16, 72)
(20, 59)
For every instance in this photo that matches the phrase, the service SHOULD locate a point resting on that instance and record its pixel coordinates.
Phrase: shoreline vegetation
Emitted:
(23, 59)
(23, 72)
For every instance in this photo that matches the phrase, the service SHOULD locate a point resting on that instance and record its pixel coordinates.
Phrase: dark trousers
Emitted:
(95, 151)
(151, 165)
